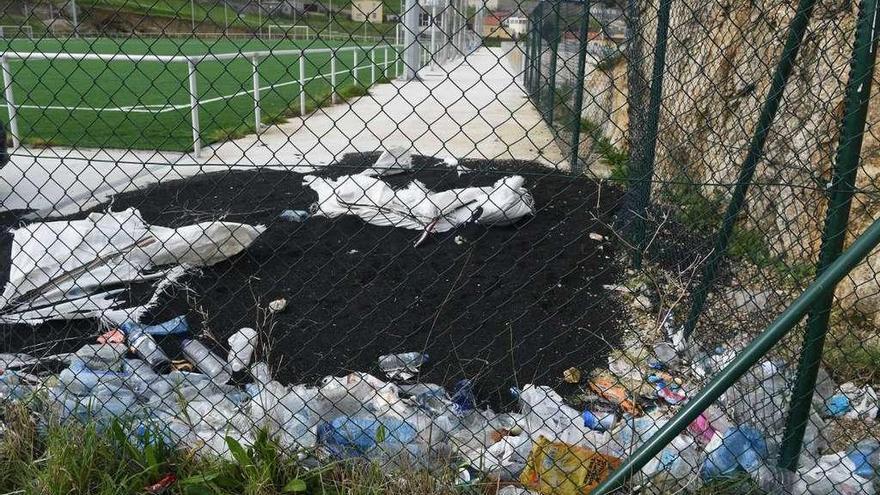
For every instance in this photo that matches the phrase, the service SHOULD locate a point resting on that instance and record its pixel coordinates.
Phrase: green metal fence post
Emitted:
(576, 167)
(795, 36)
(858, 92)
(744, 360)
(645, 169)
(550, 104)
(527, 54)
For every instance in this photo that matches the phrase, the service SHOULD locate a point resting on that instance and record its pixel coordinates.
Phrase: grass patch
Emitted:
(852, 350)
(74, 458)
(145, 105)
(704, 213)
(614, 158)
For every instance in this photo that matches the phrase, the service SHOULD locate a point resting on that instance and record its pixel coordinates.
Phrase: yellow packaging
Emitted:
(557, 468)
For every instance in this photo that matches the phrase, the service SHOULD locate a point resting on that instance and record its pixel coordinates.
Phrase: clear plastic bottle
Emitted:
(145, 345)
(206, 361)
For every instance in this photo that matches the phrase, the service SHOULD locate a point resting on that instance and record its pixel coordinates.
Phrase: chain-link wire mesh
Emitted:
(438, 246)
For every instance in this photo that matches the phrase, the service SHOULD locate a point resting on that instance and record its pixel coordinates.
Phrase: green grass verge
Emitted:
(73, 459)
(702, 212)
(615, 158)
(705, 213)
(47, 90)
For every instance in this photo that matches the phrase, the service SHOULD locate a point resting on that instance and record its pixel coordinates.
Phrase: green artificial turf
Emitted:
(79, 101)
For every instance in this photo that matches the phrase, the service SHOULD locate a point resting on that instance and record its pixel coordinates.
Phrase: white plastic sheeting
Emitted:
(77, 269)
(416, 207)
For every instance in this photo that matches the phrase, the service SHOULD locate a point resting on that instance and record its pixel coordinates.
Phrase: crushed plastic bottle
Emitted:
(241, 348)
(348, 437)
(672, 469)
(834, 474)
(542, 408)
(741, 448)
(402, 366)
(463, 399)
(106, 357)
(599, 421)
(206, 361)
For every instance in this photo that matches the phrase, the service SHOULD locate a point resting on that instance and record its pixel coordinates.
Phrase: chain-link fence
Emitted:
(438, 247)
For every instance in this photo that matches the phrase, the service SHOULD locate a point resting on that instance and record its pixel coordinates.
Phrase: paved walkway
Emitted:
(472, 108)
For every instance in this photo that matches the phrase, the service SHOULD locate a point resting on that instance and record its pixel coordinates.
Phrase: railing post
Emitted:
(194, 108)
(256, 79)
(385, 62)
(333, 94)
(576, 168)
(302, 84)
(645, 169)
(858, 93)
(10, 102)
(796, 32)
(554, 54)
(355, 67)
(372, 66)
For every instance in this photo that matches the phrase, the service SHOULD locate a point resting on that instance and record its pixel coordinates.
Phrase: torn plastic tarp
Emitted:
(78, 269)
(416, 207)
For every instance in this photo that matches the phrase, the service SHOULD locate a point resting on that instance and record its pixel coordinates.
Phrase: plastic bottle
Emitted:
(145, 345)
(742, 448)
(206, 361)
(403, 365)
(599, 421)
(241, 348)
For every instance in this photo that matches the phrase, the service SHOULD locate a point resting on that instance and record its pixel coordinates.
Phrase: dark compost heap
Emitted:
(507, 306)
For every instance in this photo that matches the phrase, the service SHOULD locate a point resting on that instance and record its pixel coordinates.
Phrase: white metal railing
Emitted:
(192, 62)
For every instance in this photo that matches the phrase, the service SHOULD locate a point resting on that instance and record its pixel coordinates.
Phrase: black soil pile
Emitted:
(503, 306)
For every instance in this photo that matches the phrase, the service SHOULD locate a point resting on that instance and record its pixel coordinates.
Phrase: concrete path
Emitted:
(471, 108)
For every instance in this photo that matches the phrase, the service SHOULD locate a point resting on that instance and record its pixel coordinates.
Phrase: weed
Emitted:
(615, 158)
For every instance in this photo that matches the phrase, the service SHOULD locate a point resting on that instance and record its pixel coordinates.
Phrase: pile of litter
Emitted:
(362, 416)
(356, 290)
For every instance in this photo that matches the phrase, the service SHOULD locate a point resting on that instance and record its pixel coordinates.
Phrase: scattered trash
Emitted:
(206, 361)
(597, 237)
(599, 421)
(463, 397)
(145, 346)
(105, 357)
(241, 348)
(557, 468)
(834, 474)
(278, 305)
(164, 483)
(611, 391)
(666, 354)
(113, 336)
(402, 366)
(571, 375)
(740, 449)
(460, 240)
(182, 365)
(174, 326)
(348, 437)
(297, 216)
(101, 253)
(837, 405)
